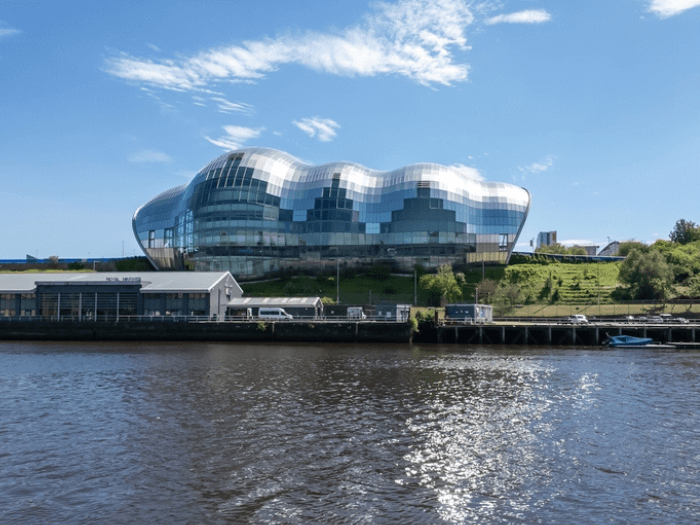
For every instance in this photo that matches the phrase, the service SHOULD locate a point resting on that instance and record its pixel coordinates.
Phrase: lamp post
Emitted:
(337, 280)
(415, 287)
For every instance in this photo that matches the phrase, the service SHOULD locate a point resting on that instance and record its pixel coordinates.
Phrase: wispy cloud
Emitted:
(6, 30)
(468, 171)
(538, 167)
(226, 106)
(668, 8)
(577, 242)
(532, 16)
(235, 137)
(149, 155)
(324, 128)
(413, 38)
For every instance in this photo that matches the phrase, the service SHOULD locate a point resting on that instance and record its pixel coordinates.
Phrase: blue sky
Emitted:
(592, 106)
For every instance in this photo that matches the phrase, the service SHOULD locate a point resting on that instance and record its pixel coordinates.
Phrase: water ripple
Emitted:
(213, 433)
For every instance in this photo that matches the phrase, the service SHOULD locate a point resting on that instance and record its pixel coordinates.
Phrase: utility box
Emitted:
(473, 313)
(393, 312)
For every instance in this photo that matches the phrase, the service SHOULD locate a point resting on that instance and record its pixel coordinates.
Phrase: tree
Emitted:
(576, 250)
(627, 247)
(506, 297)
(685, 232)
(442, 285)
(694, 286)
(555, 248)
(486, 289)
(647, 275)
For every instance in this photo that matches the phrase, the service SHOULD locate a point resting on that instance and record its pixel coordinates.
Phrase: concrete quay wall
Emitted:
(207, 331)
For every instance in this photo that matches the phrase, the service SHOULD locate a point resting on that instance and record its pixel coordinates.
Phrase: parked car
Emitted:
(655, 319)
(274, 314)
(578, 319)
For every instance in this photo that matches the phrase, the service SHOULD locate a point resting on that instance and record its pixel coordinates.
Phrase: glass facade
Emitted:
(255, 211)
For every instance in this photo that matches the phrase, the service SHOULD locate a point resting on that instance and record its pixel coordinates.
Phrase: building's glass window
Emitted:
(503, 242)
(168, 238)
(152, 239)
(197, 303)
(174, 304)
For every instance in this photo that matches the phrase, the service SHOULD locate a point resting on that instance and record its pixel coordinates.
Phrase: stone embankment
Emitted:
(304, 331)
(536, 334)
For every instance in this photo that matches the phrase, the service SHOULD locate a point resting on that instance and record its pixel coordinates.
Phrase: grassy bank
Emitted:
(575, 283)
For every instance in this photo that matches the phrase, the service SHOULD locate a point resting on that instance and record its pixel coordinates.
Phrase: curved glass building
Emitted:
(255, 211)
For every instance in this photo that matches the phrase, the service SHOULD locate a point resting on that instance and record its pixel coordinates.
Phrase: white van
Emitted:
(356, 312)
(274, 314)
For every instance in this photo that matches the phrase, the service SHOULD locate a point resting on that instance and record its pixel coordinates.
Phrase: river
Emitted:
(239, 433)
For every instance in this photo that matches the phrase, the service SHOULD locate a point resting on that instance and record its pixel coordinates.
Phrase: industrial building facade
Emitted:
(256, 211)
(111, 296)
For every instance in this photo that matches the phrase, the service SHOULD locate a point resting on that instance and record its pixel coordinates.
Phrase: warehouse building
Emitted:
(110, 296)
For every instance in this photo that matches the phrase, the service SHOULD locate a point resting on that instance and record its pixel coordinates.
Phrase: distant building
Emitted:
(611, 249)
(546, 239)
(590, 248)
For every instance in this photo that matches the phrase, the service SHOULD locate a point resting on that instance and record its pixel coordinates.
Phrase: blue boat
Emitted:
(627, 341)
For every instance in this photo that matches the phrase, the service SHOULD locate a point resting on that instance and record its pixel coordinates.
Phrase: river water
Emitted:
(231, 433)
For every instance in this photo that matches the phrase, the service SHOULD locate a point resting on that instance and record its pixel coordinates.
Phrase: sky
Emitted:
(592, 106)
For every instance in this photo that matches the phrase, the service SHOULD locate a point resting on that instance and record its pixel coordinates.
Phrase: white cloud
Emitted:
(226, 106)
(149, 155)
(532, 16)
(7, 30)
(413, 38)
(468, 171)
(323, 127)
(235, 137)
(577, 242)
(539, 167)
(668, 8)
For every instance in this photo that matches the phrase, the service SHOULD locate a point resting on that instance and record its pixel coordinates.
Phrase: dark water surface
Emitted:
(215, 433)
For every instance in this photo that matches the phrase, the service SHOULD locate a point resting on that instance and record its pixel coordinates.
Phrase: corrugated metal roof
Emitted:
(153, 282)
(257, 302)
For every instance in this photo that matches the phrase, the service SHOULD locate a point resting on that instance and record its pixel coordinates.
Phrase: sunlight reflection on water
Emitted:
(213, 433)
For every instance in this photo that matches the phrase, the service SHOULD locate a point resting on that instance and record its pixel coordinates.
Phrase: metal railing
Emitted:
(195, 319)
(564, 321)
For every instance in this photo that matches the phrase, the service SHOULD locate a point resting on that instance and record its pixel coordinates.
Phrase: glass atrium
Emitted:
(256, 211)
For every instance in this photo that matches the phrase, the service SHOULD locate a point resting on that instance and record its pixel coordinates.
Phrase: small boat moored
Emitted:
(629, 341)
